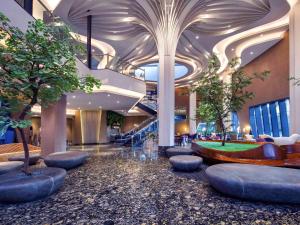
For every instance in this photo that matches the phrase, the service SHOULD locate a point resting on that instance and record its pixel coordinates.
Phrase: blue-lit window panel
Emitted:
(252, 121)
(284, 118)
(235, 121)
(258, 119)
(266, 119)
(278, 118)
(274, 119)
(287, 102)
(270, 122)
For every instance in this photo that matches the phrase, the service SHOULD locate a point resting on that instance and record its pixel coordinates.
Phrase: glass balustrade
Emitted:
(99, 61)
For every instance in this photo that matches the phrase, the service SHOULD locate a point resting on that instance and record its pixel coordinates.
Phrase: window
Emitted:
(270, 118)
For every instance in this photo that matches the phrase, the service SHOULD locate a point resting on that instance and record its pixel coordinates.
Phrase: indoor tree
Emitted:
(37, 66)
(219, 98)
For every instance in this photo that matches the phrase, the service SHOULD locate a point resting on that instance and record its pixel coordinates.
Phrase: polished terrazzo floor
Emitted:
(121, 186)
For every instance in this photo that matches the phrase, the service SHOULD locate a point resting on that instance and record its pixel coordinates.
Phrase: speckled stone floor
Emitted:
(121, 186)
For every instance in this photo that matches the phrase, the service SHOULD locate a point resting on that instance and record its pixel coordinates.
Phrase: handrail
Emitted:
(107, 61)
(143, 124)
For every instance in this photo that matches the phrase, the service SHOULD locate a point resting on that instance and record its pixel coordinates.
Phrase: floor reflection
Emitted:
(138, 153)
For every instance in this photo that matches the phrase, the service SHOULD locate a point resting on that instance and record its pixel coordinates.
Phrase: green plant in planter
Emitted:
(114, 119)
(218, 98)
(36, 67)
(151, 135)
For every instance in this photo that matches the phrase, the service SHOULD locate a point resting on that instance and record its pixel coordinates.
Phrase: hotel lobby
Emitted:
(150, 112)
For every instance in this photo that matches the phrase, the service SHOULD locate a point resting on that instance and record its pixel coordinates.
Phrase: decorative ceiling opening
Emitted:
(152, 71)
(131, 27)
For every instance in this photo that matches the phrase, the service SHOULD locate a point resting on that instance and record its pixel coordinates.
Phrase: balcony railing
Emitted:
(106, 61)
(99, 61)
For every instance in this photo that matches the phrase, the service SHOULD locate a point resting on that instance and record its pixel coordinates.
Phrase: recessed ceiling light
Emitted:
(128, 19)
(74, 96)
(197, 37)
(108, 95)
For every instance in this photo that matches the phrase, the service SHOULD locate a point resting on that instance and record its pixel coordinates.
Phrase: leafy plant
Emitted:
(218, 98)
(36, 67)
(114, 118)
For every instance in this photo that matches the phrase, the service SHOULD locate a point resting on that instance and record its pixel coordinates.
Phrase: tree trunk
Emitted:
(223, 133)
(24, 141)
(26, 151)
(224, 138)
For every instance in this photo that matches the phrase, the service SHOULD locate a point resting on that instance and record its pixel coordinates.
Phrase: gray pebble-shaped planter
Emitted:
(33, 158)
(6, 167)
(17, 187)
(179, 151)
(67, 160)
(258, 183)
(186, 163)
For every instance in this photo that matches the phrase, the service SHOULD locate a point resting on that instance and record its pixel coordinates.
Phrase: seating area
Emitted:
(150, 112)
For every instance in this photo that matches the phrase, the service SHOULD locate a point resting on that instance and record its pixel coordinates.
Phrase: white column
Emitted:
(295, 69)
(166, 100)
(192, 113)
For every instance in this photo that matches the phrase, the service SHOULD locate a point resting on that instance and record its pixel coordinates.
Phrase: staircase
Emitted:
(146, 109)
(137, 135)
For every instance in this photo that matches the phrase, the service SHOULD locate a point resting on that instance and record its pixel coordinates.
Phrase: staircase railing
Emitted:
(139, 137)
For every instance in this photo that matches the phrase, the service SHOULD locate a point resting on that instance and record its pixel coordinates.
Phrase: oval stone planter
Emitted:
(33, 158)
(6, 167)
(256, 183)
(17, 187)
(67, 160)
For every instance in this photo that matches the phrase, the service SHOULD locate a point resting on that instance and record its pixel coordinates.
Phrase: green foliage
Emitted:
(219, 98)
(36, 67)
(114, 118)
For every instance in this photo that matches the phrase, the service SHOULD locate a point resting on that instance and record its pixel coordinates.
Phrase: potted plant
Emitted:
(218, 99)
(37, 66)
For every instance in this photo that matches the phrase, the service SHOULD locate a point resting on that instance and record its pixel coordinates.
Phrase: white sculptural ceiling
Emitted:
(131, 27)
